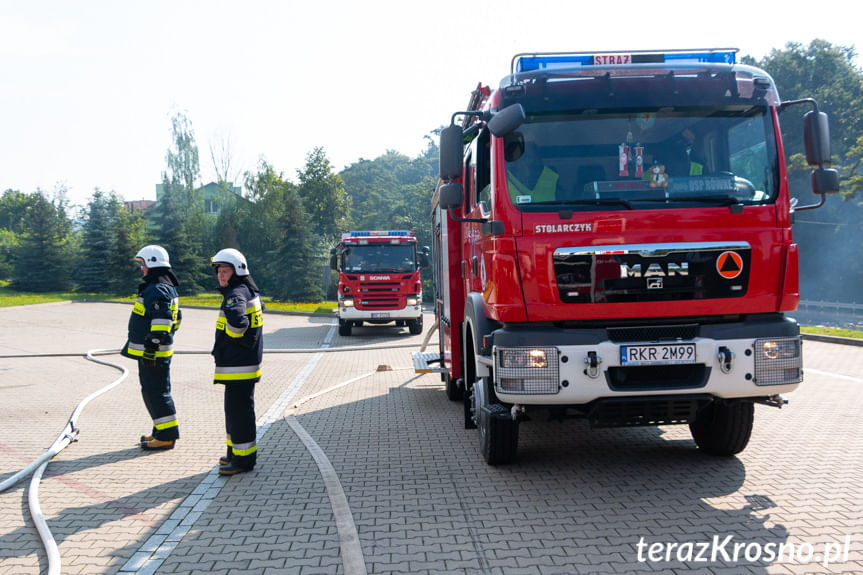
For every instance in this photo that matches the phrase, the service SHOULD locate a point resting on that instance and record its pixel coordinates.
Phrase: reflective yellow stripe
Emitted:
(137, 350)
(233, 332)
(247, 451)
(253, 305)
(139, 308)
(160, 424)
(160, 325)
(220, 322)
(175, 305)
(236, 376)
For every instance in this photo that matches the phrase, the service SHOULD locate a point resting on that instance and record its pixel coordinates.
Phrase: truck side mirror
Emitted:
(334, 262)
(825, 181)
(505, 121)
(451, 152)
(816, 138)
(451, 195)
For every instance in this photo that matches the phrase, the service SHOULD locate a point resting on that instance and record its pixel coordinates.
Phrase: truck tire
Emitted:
(723, 427)
(415, 326)
(467, 401)
(344, 327)
(498, 434)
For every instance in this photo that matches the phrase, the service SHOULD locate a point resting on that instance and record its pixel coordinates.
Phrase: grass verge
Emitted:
(9, 297)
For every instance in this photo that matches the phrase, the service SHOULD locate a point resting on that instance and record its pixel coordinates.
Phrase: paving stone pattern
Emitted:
(577, 500)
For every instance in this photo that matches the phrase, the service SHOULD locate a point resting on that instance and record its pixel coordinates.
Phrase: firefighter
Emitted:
(238, 352)
(155, 318)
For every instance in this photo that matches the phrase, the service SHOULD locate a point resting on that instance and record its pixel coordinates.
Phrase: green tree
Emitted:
(323, 194)
(828, 74)
(179, 223)
(13, 205)
(111, 237)
(298, 260)
(96, 244)
(43, 260)
(272, 231)
(852, 172)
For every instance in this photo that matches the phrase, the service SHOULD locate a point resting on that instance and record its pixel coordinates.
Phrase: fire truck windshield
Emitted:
(666, 157)
(379, 257)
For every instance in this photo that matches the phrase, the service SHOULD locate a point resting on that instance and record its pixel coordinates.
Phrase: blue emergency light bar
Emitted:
(553, 60)
(376, 233)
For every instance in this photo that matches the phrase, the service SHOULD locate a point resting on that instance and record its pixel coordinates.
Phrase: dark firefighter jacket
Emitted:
(239, 343)
(155, 317)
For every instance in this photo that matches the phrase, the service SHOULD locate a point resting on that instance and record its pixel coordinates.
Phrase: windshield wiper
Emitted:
(720, 199)
(593, 202)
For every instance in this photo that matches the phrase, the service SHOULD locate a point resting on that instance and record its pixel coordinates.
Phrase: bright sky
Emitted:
(88, 88)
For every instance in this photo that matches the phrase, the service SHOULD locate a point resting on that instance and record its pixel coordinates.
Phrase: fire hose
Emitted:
(70, 431)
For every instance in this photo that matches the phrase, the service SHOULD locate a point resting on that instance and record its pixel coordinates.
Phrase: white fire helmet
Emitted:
(153, 257)
(233, 257)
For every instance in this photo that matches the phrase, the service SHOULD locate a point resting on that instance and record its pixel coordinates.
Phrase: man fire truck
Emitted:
(613, 241)
(379, 279)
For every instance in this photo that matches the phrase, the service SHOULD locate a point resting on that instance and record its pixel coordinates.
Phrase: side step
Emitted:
(422, 360)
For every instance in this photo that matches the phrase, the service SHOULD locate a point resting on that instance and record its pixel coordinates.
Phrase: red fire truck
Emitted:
(612, 241)
(379, 279)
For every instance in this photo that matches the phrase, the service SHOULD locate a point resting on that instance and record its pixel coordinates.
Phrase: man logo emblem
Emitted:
(654, 283)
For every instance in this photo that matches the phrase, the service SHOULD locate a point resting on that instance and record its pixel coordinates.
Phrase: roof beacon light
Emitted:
(553, 60)
(376, 233)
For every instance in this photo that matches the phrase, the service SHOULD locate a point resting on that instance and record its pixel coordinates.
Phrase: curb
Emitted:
(833, 339)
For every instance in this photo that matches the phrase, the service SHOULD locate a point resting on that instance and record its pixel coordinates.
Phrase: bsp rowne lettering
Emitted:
(562, 228)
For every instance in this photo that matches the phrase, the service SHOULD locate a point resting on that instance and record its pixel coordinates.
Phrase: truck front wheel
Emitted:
(498, 431)
(344, 327)
(415, 326)
(723, 427)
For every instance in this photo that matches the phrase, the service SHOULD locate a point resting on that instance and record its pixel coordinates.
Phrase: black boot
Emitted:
(227, 458)
(233, 469)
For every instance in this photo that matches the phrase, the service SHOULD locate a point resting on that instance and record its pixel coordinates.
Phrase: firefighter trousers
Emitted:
(240, 423)
(156, 390)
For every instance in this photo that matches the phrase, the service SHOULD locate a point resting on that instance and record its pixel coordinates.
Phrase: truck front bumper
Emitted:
(543, 364)
(409, 312)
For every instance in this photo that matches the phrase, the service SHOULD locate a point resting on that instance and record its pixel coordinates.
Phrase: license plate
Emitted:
(380, 315)
(659, 354)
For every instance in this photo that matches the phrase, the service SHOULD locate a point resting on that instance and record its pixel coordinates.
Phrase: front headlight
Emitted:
(348, 302)
(778, 361)
(412, 301)
(524, 358)
(526, 370)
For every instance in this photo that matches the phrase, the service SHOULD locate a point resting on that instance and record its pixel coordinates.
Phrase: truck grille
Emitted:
(653, 333)
(651, 272)
(379, 295)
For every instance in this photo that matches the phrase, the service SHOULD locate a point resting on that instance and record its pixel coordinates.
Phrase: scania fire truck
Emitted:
(379, 279)
(612, 241)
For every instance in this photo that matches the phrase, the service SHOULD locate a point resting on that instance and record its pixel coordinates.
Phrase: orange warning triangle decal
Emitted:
(729, 265)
